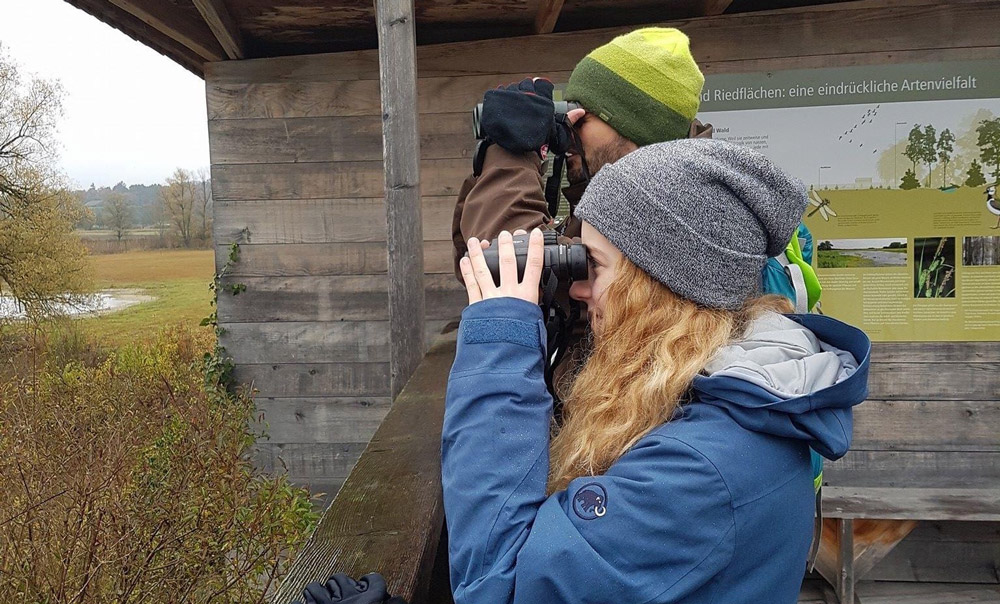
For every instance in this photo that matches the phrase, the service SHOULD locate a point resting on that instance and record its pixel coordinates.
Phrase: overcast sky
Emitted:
(131, 114)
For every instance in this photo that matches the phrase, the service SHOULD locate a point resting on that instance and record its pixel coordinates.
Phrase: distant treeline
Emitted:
(142, 198)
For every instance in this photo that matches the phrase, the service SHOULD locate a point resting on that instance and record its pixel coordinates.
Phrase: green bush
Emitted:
(127, 479)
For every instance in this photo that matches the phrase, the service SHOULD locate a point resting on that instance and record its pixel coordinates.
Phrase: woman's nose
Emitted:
(580, 290)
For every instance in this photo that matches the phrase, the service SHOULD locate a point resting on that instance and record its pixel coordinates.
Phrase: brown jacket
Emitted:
(510, 195)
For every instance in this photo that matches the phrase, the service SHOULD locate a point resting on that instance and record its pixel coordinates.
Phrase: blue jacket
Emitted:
(713, 506)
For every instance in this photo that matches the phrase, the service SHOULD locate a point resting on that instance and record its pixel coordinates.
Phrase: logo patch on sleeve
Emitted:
(590, 501)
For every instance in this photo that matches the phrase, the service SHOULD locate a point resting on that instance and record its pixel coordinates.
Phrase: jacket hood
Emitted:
(794, 376)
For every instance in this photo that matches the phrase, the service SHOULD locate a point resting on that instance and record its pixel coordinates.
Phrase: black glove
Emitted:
(521, 118)
(341, 589)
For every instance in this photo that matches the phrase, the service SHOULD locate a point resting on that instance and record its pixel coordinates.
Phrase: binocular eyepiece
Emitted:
(565, 262)
(561, 107)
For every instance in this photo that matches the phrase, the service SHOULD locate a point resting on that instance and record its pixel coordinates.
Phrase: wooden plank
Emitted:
(916, 469)
(302, 140)
(912, 503)
(312, 341)
(355, 220)
(935, 352)
(307, 342)
(176, 24)
(547, 16)
(848, 27)
(388, 515)
(966, 552)
(321, 420)
(331, 299)
(328, 180)
(894, 592)
(300, 460)
(952, 562)
(851, 59)
(288, 380)
(923, 381)
(712, 8)
(326, 259)
(401, 149)
(337, 98)
(927, 425)
(221, 23)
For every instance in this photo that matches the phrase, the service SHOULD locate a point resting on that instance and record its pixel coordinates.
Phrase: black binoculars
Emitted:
(561, 107)
(564, 262)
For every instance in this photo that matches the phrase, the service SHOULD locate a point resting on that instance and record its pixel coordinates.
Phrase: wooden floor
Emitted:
(886, 592)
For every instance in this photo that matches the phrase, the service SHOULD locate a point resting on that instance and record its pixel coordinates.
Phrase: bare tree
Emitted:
(178, 200)
(117, 212)
(41, 261)
(205, 203)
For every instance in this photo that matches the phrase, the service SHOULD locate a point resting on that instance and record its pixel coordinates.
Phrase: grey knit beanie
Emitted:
(701, 216)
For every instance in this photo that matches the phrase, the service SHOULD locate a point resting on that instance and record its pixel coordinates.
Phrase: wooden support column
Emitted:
(401, 156)
(846, 579)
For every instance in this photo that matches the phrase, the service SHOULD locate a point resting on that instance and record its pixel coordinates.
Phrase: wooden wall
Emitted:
(296, 165)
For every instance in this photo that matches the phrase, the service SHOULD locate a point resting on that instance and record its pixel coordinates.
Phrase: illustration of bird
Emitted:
(822, 206)
(992, 204)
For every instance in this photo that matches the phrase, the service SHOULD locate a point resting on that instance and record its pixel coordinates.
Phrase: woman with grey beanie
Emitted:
(681, 471)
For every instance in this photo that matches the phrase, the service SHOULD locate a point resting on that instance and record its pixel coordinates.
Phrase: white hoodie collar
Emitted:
(782, 357)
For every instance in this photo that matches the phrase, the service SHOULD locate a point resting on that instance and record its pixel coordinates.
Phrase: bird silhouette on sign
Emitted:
(822, 206)
(992, 204)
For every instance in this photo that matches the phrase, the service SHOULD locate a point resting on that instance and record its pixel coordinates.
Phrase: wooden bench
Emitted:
(926, 449)
(862, 525)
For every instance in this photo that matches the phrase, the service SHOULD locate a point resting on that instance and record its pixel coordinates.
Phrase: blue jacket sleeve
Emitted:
(656, 527)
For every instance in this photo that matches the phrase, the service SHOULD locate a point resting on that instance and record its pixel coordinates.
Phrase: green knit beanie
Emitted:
(644, 84)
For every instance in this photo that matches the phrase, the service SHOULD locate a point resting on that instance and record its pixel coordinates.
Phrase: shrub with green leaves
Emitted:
(128, 479)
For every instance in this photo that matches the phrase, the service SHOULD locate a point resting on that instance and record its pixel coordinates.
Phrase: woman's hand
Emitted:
(479, 282)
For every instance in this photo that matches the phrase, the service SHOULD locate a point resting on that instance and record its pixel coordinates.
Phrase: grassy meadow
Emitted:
(178, 281)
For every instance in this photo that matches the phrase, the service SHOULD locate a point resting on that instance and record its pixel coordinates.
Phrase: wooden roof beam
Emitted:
(221, 22)
(142, 33)
(711, 8)
(547, 15)
(175, 24)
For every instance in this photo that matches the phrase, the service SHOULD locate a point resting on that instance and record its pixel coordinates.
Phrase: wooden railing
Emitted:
(388, 516)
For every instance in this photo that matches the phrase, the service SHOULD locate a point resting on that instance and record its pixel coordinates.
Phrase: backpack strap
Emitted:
(794, 272)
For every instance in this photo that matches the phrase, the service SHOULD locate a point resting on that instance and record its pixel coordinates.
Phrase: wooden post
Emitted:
(401, 154)
(845, 582)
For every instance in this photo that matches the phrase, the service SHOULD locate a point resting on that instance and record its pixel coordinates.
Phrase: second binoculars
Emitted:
(561, 107)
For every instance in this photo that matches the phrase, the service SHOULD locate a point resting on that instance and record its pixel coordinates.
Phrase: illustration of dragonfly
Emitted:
(822, 206)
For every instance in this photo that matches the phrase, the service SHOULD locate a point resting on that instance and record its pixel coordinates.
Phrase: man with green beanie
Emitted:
(641, 88)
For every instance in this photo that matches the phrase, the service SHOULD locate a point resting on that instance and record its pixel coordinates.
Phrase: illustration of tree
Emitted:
(914, 147)
(928, 150)
(825, 246)
(975, 175)
(909, 181)
(945, 147)
(989, 144)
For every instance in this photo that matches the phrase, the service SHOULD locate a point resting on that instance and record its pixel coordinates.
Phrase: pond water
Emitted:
(95, 304)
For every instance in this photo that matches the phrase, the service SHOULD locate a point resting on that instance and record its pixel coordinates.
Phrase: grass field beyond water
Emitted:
(177, 279)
